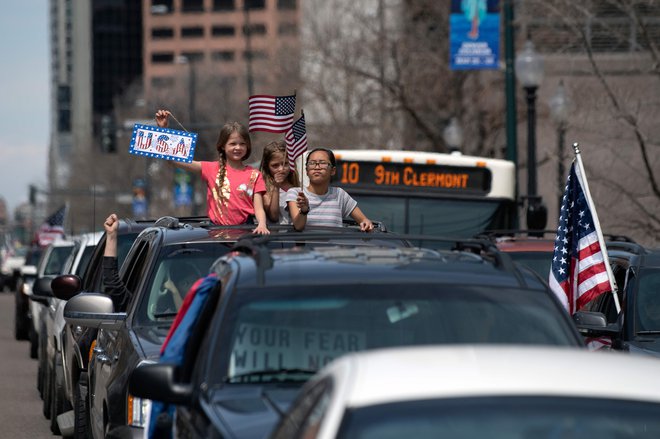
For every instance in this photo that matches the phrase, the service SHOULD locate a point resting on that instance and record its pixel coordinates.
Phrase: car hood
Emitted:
(150, 339)
(650, 347)
(249, 411)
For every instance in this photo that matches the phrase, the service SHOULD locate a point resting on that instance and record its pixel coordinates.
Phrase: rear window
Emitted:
(306, 328)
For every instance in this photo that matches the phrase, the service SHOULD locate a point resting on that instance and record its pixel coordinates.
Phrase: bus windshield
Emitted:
(436, 216)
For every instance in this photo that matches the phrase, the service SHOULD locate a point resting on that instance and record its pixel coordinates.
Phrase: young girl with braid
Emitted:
(234, 191)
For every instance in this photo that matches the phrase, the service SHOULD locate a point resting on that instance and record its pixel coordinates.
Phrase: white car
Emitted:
(12, 261)
(486, 391)
(55, 401)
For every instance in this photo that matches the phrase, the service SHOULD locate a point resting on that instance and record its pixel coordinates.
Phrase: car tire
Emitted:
(43, 368)
(45, 406)
(34, 343)
(21, 325)
(58, 404)
(80, 408)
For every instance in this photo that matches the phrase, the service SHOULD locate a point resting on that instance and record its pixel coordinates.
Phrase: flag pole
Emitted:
(599, 233)
(302, 157)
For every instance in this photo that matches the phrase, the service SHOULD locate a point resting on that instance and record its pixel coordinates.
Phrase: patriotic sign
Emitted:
(52, 227)
(296, 141)
(273, 114)
(164, 143)
(580, 267)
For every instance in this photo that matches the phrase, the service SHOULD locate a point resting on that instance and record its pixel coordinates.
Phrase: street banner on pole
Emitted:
(474, 34)
(163, 143)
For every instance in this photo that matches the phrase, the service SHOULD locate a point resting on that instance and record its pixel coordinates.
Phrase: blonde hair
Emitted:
(227, 130)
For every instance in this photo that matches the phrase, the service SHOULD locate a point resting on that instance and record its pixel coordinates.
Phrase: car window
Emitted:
(647, 302)
(56, 260)
(177, 268)
(306, 328)
(504, 418)
(84, 260)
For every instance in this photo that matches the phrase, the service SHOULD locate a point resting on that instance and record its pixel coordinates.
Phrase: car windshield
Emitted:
(177, 268)
(505, 418)
(304, 328)
(647, 302)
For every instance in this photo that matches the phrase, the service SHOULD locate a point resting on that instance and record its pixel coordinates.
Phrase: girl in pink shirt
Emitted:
(234, 191)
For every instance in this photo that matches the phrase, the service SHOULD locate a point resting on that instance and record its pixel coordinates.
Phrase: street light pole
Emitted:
(529, 70)
(559, 108)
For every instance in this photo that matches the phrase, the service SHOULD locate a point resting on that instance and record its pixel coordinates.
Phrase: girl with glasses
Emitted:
(321, 204)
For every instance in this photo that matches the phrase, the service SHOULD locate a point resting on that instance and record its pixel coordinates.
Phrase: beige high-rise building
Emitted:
(236, 41)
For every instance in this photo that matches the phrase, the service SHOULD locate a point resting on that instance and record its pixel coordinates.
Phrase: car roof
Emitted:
(375, 264)
(416, 373)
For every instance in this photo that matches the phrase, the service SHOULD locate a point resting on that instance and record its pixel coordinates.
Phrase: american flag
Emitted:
(579, 272)
(273, 114)
(296, 141)
(52, 227)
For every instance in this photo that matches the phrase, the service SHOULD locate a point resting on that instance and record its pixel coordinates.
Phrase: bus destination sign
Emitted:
(429, 178)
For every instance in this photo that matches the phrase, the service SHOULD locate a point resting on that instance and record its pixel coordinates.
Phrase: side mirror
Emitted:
(594, 324)
(66, 286)
(93, 310)
(155, 381)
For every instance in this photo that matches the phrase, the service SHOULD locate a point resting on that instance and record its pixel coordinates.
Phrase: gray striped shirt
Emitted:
(328, 209)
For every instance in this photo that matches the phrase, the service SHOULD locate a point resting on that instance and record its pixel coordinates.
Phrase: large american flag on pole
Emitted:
(273, 114)
(580, 267)
(52, 227)
(296, 141)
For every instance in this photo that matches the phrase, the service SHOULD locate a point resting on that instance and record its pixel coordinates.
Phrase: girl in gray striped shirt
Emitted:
(320, 204)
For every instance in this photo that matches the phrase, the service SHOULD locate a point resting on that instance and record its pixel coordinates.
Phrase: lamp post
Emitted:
(559, 108)
(529, 71)
(182, 59)
(453, 136)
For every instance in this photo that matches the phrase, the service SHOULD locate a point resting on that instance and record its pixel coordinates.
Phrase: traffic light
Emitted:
(33, 194)
(108, 139)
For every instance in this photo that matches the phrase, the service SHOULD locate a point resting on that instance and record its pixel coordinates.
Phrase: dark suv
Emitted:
(166, 254)
(637, 328)
(77, 340)
(274, 317)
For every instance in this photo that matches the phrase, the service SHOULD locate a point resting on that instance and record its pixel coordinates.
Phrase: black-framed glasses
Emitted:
(321, 164)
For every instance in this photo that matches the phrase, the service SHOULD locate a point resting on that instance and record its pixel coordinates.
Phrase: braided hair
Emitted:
(227, 130)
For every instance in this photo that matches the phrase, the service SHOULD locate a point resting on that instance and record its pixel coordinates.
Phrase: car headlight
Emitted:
(137, 410)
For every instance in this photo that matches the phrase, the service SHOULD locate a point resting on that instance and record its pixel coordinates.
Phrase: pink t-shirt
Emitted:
(232, 204)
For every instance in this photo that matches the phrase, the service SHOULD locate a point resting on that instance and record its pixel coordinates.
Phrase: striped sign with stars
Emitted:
(163, 143)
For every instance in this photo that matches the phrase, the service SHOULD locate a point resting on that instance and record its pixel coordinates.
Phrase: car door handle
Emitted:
(100, 356)
(103, 359)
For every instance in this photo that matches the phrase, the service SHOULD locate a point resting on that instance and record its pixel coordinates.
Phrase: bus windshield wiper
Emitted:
(281, 375)
(648, 332)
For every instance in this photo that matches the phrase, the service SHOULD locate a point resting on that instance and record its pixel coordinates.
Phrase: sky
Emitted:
(24, 97)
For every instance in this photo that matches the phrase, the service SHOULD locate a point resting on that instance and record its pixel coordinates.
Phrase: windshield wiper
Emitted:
(648, 332)
(162, 315)
(281, 375)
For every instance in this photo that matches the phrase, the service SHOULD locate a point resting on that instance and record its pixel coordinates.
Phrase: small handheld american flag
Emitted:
(273, 114)
(296, 141)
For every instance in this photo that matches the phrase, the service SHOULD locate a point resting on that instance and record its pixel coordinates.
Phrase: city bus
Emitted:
(430, 193)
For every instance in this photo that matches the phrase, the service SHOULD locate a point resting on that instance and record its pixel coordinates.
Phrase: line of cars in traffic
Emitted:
(279, 309)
